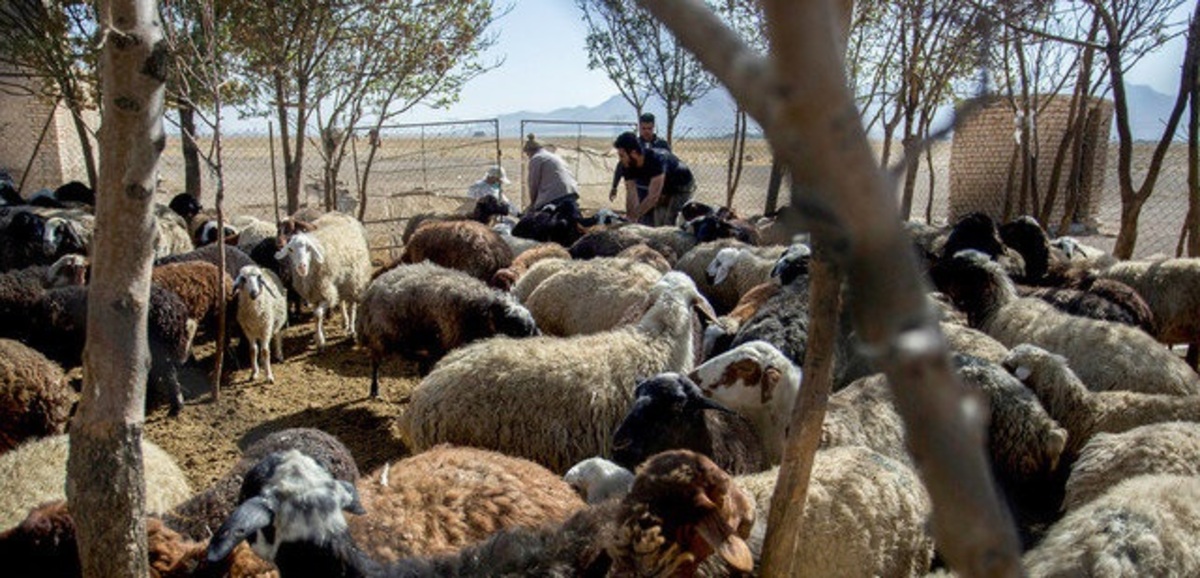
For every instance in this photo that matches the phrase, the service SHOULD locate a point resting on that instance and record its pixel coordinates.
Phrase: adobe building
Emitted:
(57, 158)
(986, 172)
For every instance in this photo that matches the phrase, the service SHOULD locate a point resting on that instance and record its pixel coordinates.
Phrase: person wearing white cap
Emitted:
(490, 184)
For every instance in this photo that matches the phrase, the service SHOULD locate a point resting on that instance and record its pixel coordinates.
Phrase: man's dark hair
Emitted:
(628, 142)
(647, 117)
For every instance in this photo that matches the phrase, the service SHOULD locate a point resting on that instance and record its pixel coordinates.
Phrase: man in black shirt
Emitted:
(648, 138)
(657, 183)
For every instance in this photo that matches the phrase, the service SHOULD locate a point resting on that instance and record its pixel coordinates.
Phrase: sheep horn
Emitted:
(250, 517)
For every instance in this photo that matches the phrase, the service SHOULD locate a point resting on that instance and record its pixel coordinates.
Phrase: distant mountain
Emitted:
(713, 114)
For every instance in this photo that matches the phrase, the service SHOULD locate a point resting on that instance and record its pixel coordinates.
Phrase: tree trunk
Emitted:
(191, 151)
(785, 537)
(105, 485)
(1193, 180)
(813, 124)
(290, 177)
(1131, 210)
(773, 186)
(910, 174)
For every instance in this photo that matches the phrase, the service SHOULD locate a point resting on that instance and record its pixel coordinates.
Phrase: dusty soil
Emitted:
(325, 390)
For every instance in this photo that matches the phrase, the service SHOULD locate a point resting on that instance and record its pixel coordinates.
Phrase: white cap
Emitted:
(498, 173)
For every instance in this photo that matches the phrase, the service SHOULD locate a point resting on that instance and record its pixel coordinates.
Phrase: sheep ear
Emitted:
(722, 539)
(699, 403)
(237, 284)
(250, 517)
(351, 502)
(317, 255)
(283, 253)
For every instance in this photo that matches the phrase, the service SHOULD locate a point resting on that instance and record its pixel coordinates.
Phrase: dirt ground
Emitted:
(325, 390)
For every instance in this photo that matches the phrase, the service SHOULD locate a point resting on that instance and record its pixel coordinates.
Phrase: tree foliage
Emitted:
(642, 58)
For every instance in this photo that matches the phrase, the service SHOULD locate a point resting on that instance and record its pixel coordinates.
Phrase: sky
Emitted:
(545, 66)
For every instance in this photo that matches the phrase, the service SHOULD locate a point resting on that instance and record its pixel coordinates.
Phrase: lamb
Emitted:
(1109, 356)
(589, 296)
(262, 313)
(296, 522)
(1085, 413)
(1146, 526)
(203, 513)
(446, 498)
(1109, 458)
(669, 412)
(36, 472)
(978, 232)
(865, 515)
(1168, 286)
(423, 311)
(597, 480)
(759, 382)
(331, 266)
(35, 400)
(44, 544)
(464, 245)
(554, 400)
(507, 277)
(610, 242)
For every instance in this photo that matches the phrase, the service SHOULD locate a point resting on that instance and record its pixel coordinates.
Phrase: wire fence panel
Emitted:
(423, 168)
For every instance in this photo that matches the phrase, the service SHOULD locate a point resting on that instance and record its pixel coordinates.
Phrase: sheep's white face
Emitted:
(718, 269)
(748, 376)
(303, 250)
(309, 505)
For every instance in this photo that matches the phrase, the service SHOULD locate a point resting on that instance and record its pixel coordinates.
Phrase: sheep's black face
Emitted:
(695, 209)
(667, 413)
(185, 206)
(975, 231)
(75, 192)
(1027, 238)
(26, 225)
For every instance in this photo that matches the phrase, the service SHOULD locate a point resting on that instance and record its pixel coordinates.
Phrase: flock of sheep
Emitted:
(605, 398)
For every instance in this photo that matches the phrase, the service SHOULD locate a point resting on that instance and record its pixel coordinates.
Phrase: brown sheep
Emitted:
(35, 400)
(464, 245)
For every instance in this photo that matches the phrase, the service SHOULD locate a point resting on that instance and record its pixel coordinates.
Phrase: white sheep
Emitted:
(739, 266)
(1107, 356)
(330, 266)
(1085, 413)
(554, 400)
(758, 381)
(262, 313)
(589, 296)
(973, 342)
(36, 472)
(864, 515)
(695, 262)
(597, 479)
(1146, 526)
(1109, 458)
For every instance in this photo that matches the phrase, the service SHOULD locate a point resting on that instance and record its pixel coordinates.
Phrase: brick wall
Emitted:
(986, 173)
(57, 160)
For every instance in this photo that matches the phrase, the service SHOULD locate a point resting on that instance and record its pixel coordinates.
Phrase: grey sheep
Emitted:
(201, 514)
(1085, 413)
(1146, 526)
(423, 311)
(1108, 356)
(1171, 447)
(331, 267)
(35, 400)
(36, 472)
(262, 314)
(554, 400)
(597, 480)
(446, 498)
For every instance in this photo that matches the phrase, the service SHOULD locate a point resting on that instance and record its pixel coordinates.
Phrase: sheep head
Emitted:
(303, 249)
(667, 412)
(287, 497)
(747, 376)
(718, 269)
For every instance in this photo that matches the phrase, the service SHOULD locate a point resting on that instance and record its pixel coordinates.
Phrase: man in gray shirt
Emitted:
(550, 181)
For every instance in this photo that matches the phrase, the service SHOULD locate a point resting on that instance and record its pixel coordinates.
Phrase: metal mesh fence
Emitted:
(425, 168)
